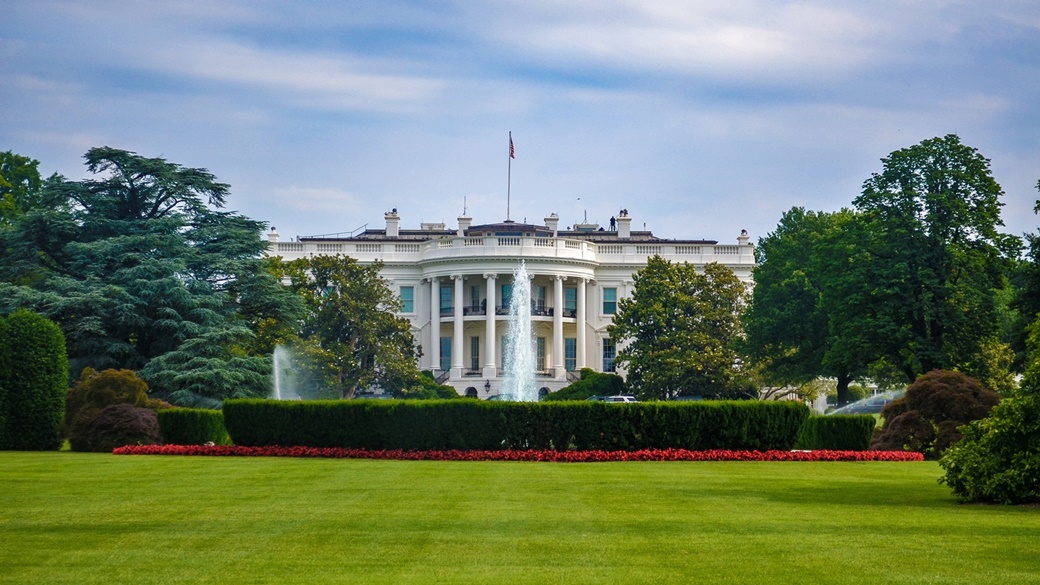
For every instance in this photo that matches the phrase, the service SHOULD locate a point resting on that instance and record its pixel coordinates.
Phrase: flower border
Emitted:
(518, 455)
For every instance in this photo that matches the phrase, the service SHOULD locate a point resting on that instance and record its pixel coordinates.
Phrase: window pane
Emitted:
(609, 301)
(474, 353)
(407, 299)
(570, 354)
(608, 355)
(445, 353)
(446, 295)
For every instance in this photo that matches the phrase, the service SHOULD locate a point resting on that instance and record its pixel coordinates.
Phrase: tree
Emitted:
(142, 270)
(20, 186)
(351, 338)
(787, 323)
(677, 332)
(927, 417)
(591, 383)
(33, 377)
(929, 260)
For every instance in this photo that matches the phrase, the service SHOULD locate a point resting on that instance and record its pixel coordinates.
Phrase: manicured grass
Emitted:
(94, 518)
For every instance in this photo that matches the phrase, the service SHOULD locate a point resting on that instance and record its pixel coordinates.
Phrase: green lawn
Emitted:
(94, 518)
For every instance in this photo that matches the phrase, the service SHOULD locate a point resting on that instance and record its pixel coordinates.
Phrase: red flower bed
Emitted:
(518, 455)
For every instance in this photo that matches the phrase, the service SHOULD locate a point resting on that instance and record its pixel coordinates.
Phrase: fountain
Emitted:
(519, 354)
(283, 386)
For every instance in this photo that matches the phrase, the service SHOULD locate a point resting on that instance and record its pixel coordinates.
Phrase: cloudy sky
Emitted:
(701, 118)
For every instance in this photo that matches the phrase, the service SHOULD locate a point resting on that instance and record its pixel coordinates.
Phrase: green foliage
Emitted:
(927, 417)
(591, 383)
(998, 460)
(677, 333)
(20, 186)
(118, 425)
(139, 264)
(33, 379)
(471, 424)
(789, 333)
(425, 387)
(351, 339)
(929, 259)
(843, 432)
(96, 391)
(192, 426)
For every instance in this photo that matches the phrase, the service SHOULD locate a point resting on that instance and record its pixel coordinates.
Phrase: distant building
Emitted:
(455, 285)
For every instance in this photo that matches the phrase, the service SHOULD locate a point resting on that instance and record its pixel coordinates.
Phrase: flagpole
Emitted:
(509, 176)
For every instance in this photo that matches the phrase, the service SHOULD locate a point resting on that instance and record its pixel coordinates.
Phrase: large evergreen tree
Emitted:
(143, 270)
(677, 333)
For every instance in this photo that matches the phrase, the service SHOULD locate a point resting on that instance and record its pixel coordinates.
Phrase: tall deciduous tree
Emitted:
(678, 330)
(788, 330)
(350, 336)
(930, 260)
(143, 270)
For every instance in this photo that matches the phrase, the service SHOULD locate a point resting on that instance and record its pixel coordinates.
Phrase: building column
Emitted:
(581, 324)
(435, 324)
(456, 346)
(559, 372)
(490, 370)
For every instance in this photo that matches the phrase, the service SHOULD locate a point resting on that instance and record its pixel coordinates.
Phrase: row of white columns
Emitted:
(490, 369)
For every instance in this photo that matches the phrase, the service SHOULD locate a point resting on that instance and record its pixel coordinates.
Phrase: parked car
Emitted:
(619, 399)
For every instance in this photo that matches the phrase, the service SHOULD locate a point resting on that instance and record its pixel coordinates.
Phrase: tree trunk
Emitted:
(843, 389)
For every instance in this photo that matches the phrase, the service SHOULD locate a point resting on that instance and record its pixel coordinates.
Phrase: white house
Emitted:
(455, 285)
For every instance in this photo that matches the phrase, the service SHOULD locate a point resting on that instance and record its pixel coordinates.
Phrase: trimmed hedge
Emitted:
(451, 424)
(34, 376)
(192, 426)
(838, 432)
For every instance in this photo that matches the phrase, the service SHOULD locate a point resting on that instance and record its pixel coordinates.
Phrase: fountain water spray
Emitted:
(282, 383)
(519, 383)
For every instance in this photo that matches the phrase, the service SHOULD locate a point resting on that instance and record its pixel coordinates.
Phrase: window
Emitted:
(445, 353)
(507, 296)
(609, 301)
(446, 296)
(407, 299)
(570, 302)
(474, 299)
(609, 352)
(474, 353)
(538, 303)
(539, 363)
(570, 354)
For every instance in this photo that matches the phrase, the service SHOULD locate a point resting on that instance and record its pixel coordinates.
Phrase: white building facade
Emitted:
(455, 285)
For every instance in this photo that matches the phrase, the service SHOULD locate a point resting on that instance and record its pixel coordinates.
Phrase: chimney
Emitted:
(272, 236)
(552, 222)
(624, 225)
(464, 222)
(393, 223)
(743, 238)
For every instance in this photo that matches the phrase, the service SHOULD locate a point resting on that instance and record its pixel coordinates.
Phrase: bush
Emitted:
(927, 417)
(119, 425)
(591, 383)
(96, 391)
(839, 432)
(34, 373)
(192, 426)
(470, 424)
(998, 459)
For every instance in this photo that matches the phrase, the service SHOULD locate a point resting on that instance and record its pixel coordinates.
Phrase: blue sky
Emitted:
(701, 118)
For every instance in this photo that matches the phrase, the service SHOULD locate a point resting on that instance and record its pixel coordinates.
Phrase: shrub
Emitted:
(192, 426)
(34, 376)
(927, 417)
(96, 391)
(848, 432)
(470, 424)
(119, 425)
(591, 383)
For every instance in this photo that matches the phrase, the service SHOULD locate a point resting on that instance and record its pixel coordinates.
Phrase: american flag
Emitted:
(512, 151)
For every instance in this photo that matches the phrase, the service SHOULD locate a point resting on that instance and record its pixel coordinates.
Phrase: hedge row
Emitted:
(34, 372)
(468, 424)
(839, 432)
(192, 426)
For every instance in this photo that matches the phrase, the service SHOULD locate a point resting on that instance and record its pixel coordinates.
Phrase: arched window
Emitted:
(542, 393)
(471, 392)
